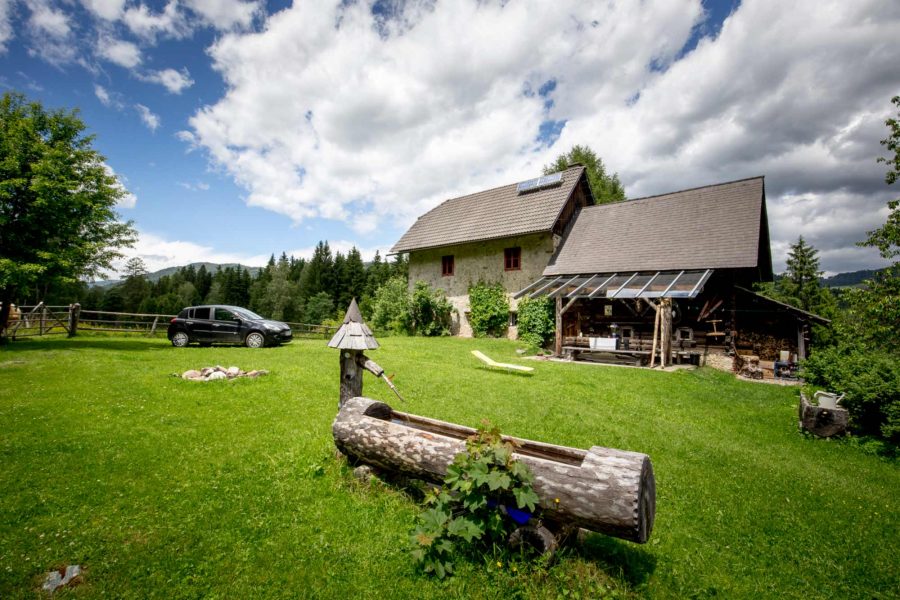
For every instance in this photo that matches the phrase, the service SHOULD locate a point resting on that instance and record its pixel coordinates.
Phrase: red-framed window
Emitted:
(512, 259)
(447, 265)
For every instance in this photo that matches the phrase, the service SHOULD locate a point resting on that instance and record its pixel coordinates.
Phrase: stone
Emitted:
(71, 575)
(216, 375)
(191, 374)
(233, 371)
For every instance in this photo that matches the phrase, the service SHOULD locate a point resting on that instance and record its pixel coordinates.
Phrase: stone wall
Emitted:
(481, 261)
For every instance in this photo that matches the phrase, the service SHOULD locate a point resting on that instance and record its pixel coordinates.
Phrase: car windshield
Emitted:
(246, 314)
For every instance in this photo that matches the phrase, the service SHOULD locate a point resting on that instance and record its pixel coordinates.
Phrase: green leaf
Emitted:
(498, 480)
(464, 528)
(525, 497)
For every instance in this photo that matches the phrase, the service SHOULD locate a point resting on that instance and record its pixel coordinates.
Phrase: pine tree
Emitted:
(800, 285)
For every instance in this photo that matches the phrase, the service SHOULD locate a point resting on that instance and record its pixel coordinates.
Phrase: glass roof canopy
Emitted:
(662, 284)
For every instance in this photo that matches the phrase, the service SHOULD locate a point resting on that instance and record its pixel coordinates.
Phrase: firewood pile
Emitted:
(766, 347)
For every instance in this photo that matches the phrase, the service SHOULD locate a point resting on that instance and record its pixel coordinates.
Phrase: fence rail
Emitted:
(42, 319)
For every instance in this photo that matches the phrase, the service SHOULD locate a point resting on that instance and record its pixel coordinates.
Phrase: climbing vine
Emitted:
(486, 494)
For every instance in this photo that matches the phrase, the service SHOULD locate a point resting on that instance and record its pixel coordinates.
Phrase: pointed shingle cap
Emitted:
(354, 334)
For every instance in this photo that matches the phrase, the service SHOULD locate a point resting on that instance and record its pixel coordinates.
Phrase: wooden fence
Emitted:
(40, 320)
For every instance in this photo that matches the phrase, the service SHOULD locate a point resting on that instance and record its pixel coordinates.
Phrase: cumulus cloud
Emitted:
(159, 252)
(6, 29)
(150, 119)
(225, 14)
(145, 23)
(172, 80)
(120, 52)
(50, 32)
(351, 114)
(109, 10)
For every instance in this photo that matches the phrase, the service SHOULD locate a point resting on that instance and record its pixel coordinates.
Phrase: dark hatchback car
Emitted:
(217, 324)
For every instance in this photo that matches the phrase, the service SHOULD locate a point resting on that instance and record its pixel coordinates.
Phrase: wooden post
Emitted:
(351, 376)
(557, 348)
(801, 341)
(42, 319)
(666, 325)
(153, 327)
(74, 315)
(655, 330)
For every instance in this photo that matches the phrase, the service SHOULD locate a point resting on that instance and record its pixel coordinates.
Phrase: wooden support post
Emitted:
(153, 327)
(74, 315)
(42, 319)
(666, 325)
(351, 376)
(557, 348)
(801, 341)
(655, 330)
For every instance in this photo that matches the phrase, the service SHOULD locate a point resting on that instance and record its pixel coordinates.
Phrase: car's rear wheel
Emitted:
(255, 339)
(180, 339)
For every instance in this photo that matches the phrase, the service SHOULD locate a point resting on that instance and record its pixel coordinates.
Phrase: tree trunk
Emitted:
(602, 489)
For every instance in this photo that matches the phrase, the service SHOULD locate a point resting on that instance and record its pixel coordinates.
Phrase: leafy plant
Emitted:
(484, 484)
(537, 321)
(489, 309)
(429, 311)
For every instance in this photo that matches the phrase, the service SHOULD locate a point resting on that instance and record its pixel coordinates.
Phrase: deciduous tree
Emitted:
(605, 187)
(57, 200)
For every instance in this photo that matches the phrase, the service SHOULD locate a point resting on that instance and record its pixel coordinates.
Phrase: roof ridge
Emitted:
(699, 187)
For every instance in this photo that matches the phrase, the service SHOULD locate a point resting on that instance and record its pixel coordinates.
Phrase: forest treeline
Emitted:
(287, 289)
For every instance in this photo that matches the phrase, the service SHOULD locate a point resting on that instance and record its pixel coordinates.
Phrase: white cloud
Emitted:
(225, 14)
(344, 115)
(150, 119)
(123, 53)
(109, 10)
(148, 25)
(102, 95)
(6, 29)
(158, 252)
(172, 80)
(129, 200)
(199, 186)
(51, 36)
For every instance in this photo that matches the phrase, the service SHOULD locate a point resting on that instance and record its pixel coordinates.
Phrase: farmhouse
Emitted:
(677, 267)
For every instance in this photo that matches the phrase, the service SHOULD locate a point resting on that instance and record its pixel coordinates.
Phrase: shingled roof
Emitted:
(497, 213)
(712, 227)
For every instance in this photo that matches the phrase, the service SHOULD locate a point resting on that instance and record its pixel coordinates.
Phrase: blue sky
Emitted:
(248, 128)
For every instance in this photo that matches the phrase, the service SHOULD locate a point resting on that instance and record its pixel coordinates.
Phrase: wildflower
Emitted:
(499, 565)
(556, 500)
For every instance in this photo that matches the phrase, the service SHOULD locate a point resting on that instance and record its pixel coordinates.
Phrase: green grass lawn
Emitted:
(164, 488)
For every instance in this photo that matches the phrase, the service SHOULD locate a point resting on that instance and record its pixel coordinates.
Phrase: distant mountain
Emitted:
(156, 275)
(851, 279)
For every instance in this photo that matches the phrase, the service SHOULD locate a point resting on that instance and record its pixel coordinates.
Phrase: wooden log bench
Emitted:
(601, 489)
(636, 357)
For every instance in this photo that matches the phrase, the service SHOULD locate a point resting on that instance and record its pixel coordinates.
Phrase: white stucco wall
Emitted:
(481, 261)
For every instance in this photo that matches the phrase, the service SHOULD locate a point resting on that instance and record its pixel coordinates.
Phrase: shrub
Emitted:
(429, 311)
(482, 484)
(537, 321)
(489, 309)
(390, 308)
(870, 380)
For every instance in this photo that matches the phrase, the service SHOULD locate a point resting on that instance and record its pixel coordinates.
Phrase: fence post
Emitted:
(153, 328)
(74, 314)
(42, 320)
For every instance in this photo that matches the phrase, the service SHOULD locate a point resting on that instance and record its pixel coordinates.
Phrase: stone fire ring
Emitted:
(219, 372)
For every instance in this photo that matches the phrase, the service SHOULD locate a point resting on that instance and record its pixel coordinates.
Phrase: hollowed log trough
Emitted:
(601, 489)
